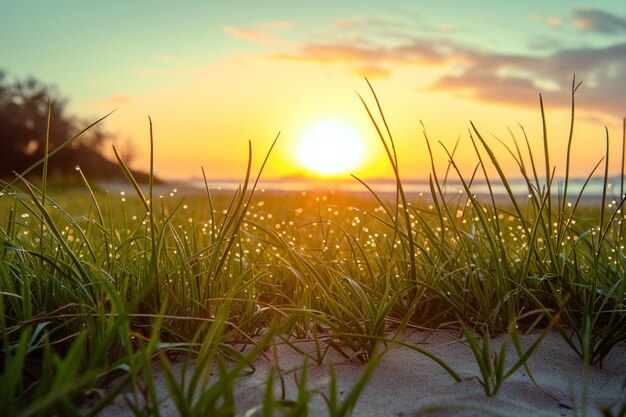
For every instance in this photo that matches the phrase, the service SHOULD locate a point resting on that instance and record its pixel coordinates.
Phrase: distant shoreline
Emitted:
(384, 188)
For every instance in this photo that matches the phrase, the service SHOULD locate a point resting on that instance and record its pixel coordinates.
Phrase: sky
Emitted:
(214, 76)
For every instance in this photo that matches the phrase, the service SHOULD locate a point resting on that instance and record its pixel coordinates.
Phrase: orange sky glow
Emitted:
(213, 79)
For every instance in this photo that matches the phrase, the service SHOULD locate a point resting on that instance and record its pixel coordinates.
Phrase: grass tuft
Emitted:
(96, 288)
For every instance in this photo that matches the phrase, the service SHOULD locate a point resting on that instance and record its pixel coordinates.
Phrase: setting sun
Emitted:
(330, 148)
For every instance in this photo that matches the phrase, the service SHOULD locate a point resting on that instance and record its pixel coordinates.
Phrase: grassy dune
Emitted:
(96, 286)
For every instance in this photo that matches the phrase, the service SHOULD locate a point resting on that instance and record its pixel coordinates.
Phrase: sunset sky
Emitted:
(213, 75)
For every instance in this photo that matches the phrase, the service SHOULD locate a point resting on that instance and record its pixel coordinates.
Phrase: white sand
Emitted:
(407, 383)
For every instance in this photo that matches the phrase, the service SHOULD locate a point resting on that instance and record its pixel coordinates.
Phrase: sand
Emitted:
(406, 383)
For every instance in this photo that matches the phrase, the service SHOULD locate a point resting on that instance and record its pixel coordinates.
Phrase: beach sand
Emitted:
(406, 383)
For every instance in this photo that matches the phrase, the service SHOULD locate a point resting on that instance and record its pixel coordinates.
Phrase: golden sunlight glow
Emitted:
(330, 148)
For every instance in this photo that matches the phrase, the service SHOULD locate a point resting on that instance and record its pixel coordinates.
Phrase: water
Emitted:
(593, 189)
(383, 187)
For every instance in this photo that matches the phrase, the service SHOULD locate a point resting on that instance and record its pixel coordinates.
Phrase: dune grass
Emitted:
(96, 287)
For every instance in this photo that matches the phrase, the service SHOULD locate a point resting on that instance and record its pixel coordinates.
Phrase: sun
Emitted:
(330, 147)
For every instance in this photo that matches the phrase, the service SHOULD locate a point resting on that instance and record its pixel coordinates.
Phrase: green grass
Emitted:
(96, 287)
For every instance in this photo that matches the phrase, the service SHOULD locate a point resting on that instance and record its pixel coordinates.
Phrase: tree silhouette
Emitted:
(24, 109)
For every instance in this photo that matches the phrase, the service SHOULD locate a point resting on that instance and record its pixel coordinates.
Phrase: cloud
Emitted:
(599, 21)
(515, 79)
(392, 28)
(365, 58)
(590, 19)
(259, 37)
(543, 43)
(361, 58)
(553, 21)
(482, 74)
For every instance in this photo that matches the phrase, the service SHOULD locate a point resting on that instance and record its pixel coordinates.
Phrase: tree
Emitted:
(24, 109)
